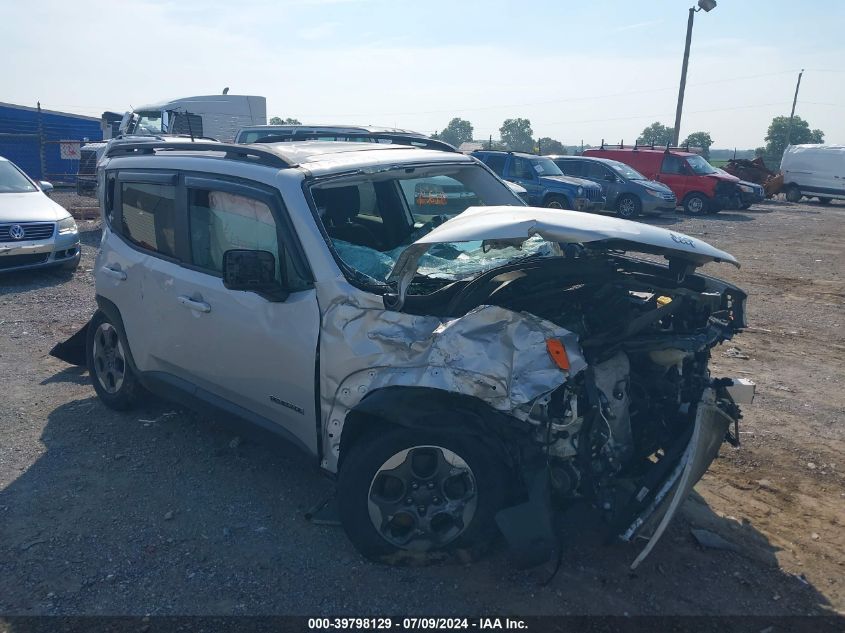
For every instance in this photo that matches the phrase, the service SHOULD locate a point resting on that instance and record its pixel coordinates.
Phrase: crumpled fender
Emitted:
(493, 354)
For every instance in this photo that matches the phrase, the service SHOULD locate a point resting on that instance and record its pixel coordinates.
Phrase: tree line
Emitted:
(516, 135)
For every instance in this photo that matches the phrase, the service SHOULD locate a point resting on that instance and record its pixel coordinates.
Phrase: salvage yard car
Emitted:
(627, 191)
(35, 232)
(452, 368)
(698, 187)
(547, 186)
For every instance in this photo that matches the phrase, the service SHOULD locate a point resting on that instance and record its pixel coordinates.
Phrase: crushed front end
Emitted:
(634, 431)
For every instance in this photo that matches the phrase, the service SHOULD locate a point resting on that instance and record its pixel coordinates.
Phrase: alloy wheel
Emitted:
(109, 359)
(422, 498)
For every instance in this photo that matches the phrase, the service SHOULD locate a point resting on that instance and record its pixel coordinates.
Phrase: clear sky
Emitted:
(579, 70)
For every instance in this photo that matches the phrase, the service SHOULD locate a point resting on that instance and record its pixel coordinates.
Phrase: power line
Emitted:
(554, 100)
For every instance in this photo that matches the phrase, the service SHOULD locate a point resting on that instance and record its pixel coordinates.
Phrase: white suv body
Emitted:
(395, 344)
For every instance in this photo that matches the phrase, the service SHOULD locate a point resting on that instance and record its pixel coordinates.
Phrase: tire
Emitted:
(825, 200)
(745, 205)
(557, 202)
(696, 204)
(628, 206)
(793, 194)
(367, 492)
(108, 365)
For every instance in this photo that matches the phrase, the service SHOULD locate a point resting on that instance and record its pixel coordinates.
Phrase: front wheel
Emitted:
(407, 493)
(628, 206)
(557, 202)
(696, 204)
(825, 200)
(107, 359)
(793, 194)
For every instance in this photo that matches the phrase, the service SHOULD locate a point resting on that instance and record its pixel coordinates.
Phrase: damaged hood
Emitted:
(554, 225)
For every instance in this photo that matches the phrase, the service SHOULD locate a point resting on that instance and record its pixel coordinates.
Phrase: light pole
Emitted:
(707, 5)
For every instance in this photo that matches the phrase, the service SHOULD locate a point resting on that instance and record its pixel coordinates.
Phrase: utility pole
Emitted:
(707, 5)
(792, 114)
(680, 107)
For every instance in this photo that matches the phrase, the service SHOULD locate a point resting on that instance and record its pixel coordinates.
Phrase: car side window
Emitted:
(496, 162)
(596, 171)
(521, 168)
(148, 216)
(571, 167)
(220, 221)
(672, 165)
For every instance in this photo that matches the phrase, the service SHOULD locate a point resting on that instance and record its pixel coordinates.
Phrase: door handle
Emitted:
(199, 306)
(114, 273)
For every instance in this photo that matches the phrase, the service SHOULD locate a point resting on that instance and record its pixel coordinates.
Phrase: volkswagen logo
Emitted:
(16, 232)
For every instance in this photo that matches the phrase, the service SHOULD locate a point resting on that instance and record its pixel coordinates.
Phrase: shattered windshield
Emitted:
(372, 218)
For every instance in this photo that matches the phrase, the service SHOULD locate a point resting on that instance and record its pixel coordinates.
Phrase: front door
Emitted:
(250, 353)
(606, 179)
(674, 174)
(520, 172)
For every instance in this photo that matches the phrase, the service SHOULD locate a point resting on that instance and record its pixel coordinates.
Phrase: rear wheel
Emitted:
(407, 494)
(793, 194)
(107, 358)
(557, 202)
(696, 204)
(628, 206)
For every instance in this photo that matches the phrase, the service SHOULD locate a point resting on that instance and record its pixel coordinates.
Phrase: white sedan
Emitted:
(35, 232)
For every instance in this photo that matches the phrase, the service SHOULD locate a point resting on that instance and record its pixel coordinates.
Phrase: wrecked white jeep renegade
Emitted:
(459, 361)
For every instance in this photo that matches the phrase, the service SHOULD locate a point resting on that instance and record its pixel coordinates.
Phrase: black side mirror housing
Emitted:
(254, 271)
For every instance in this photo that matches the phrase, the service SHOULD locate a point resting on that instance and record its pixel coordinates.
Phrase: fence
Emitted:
(45, 144)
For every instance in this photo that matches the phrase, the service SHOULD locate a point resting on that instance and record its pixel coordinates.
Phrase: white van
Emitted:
(814, 171)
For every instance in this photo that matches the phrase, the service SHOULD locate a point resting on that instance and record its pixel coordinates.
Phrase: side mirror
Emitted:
(46, 187)
(610, 178)
(254, 271)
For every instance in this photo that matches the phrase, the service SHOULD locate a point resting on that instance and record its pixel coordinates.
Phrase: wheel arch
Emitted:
(425, 408)
(558, 194)
(112, 313)
(696, 192)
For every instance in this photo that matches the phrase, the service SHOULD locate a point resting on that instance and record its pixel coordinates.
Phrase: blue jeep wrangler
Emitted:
(545, 182)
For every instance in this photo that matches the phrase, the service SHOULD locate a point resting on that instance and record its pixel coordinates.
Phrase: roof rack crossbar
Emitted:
(399, 139)
(230, 151)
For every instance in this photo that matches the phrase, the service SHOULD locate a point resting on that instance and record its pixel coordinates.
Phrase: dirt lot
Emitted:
(160, 511)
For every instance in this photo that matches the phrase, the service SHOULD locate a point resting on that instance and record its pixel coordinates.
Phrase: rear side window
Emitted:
(571, 167)
(148, 216)
(672, 165)
(496, 162)
(221, 221)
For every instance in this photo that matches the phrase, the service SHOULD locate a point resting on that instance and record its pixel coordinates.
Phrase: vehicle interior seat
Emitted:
(340, 207)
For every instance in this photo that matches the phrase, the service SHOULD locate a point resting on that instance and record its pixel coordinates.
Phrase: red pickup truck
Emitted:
(698, 187)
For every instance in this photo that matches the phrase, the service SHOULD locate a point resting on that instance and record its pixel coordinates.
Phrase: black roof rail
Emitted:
(638, 145)
(230, 151)
(400, 139)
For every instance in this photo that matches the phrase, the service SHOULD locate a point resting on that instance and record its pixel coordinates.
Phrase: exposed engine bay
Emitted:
(613, 432)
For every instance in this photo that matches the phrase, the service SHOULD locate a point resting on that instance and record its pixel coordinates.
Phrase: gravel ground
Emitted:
(161, 511)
